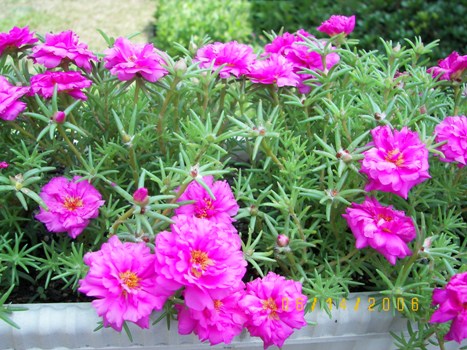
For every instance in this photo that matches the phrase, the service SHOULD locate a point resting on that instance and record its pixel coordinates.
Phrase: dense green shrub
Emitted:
(179, 20)
(393, 20)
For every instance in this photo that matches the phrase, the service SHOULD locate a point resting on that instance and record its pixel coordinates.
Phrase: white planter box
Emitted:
(70, 326)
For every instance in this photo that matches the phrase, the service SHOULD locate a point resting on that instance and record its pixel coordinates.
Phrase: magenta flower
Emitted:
(219, 323)
(71, 205)
(450, 68)
(202, 256)
(275, 69)
(397, 162)
(218, 209)
(70, 82)
(274, 307)
(454, 131)
(382, 228)
(16, 39)
(140, 196)
(282, 44)
(10, 107)
(337, 24)
(127, 60)
(4, 165)
(62, 48)
(452, 301)
(122, 278)
(235, 58)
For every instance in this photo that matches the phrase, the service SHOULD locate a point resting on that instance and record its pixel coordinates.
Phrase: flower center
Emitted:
(201, 210)
(270, 305)
(218, 304)
(129, 279)
(72, 203)
(199, 262)
(386, 218)
(132, 58)
(395, 157)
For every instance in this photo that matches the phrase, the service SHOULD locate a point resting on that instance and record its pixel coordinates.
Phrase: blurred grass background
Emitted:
(165, 22)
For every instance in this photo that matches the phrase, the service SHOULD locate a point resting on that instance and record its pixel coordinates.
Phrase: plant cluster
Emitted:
(215, 183)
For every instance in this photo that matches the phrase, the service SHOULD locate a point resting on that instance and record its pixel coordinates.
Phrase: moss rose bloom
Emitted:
(274, 307)
(200, 255)
(122, 278)
(221, 208)
(275, 69)
(4, 165)
(382, 228)
(16, 39)
(337, 24)
(218, 323)
(71, 205)
(450, 68)
(70, 82)
(61, 48)
(454, 131)
(452, 301)
(397, 162)
(127, 60)
(235, 58)
(10, 107)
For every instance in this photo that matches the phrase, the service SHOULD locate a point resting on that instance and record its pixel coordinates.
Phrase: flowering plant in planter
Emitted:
(236, 188)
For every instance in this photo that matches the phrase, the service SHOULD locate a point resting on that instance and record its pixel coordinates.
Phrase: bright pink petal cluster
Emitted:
(337, 24)
(71, 205)
(382, 228)
(218, 323)
(122, 278)
(452, 301)
(127, 60)
(16, 39)
(450, 68)
(4, 165)
(10, 106)
(453, 130)
(221, 208)
(274, 307)
(235, 58)
(397, 161)
(70, 82)
(62, 48)
(201, 256)
(275, 69)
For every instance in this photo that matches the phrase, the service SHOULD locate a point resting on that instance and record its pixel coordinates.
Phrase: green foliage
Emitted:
(392, 20)
(180, 20)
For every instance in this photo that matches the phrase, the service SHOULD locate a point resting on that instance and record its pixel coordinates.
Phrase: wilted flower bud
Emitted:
(59, 117)
(253, 210)
(141, 196)
(423, 109)
(344, 155)
(194, 171)
(180, 67)
(380, 116)
(282, 241)
(425, 248)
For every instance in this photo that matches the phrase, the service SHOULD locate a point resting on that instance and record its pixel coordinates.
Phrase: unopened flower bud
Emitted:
(425, 248)
(423, 109)
(141, 196)
(380, 116)
(344, 155)
(282, 241)
(4, 165)
(59, 117)
(180, 67)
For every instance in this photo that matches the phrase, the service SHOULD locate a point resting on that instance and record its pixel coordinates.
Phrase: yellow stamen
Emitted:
(72, 203)
(130, 279)
(200, 261)
(399, 161)
(270, 305)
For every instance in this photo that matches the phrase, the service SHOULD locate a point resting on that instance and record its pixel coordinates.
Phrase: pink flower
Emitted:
(275, 69)
(71, 205)
(219, 323)
(62, 48)
(234, 57)
(122, 278)
(382, 228)
(127, 60)
(141, 196)
(450, 68)
(202, 256)
(221, 208)
(16, 39)
(454, 131)
(274, 307)
(282, 44)
(397, 162)
(452, 301)
(4, 165)
(10, 107)
(70, 82)
(337, 24)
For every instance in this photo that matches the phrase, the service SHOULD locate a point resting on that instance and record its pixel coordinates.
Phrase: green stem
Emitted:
(133, 164)
(457, 98)
(165, 105)
(270, 154)
(340, 261)
(121, 220)
(72, 147)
